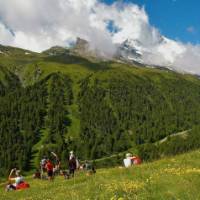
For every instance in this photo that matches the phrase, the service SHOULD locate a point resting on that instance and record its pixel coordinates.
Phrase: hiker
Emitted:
(57, 163)
(18, 181)
(42, 166)
(37, 174)
(49, 167)
(128, 160)
(136, 160)
(89, 168)
(65, 173)
(77, 164)
(72, 165)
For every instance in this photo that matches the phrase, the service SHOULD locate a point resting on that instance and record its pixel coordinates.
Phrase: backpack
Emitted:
(22, 186)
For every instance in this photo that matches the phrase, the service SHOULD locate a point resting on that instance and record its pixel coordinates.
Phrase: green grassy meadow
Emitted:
(170, 178)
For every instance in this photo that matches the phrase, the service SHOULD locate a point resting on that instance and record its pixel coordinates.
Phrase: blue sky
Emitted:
(176, 19)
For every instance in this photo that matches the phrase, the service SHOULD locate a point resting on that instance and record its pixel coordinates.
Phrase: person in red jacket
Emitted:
(49, 168)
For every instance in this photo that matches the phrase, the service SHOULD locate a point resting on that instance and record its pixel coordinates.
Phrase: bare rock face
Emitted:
(83, 49)
(81, 45)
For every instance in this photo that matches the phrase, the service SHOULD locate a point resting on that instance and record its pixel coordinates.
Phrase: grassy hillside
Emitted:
(167, 179)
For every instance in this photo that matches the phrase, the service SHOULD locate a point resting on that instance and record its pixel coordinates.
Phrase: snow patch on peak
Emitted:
(162, 52)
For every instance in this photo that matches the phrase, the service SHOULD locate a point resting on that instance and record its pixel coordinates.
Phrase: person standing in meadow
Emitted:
(56, 169)
(42, 166)
(49, 167)
(72, 163)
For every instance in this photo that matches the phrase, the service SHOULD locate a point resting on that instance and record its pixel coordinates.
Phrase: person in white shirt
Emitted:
(128, 160)
(17, 179)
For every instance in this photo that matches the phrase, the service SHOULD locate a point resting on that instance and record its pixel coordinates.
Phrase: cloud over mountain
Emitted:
(40, 24)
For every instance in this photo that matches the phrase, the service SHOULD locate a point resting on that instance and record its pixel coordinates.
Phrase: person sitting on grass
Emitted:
(37, 174)
(89, 168)
(49, 167)
(65, 173)
(14, 180)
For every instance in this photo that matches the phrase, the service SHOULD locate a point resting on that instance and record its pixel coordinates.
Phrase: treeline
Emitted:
(60, 96)
(22, 112)
(26, 112)
(101, 133)
(172, 146)
(121, 110)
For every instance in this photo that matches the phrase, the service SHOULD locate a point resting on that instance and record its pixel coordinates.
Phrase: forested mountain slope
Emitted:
(59, 101)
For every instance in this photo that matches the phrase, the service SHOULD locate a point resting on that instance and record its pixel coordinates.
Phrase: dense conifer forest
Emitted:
(49, 103)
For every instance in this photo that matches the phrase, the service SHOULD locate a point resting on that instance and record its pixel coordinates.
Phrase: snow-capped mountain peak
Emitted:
(162, 52)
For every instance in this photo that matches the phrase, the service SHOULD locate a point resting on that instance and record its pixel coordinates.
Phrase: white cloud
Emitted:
(6, 36)
(189, 60)
(40, 24)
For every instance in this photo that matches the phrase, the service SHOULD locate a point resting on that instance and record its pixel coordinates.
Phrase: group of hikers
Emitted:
(49, 168)
(52, 168)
